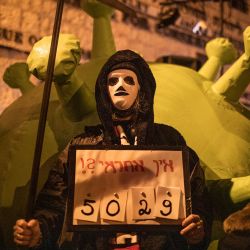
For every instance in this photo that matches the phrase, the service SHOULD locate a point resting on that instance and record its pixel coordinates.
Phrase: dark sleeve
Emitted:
(51, 203)
(201, 204)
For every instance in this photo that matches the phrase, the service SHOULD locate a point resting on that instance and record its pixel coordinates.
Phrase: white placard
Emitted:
(106, 173)
(167, 203)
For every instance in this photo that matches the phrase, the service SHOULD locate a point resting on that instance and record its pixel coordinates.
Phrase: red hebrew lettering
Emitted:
(168, 164)
(165, 165)
(138, 164)
(120, 165)
(127, 165)
(90, 163)
(157, 167)
(109, 164)
(82, 161)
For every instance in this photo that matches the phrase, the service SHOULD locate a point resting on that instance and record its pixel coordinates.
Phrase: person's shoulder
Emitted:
(167, 128)
(91, 135)
(170, 133)
(173, 137)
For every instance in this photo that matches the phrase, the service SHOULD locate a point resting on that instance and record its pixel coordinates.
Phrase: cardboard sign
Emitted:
(127, 186)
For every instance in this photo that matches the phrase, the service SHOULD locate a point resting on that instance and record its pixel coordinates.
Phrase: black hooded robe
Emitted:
(51, 202)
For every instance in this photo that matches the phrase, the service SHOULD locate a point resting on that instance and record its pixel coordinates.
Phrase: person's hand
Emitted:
(27, 233)
(193, 229)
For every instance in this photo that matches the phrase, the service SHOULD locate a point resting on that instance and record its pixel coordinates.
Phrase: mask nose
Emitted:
(121, 89)
(120, 83)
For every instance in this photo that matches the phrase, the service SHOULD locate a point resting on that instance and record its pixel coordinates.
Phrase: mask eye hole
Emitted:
(113, 81)
(129, 80)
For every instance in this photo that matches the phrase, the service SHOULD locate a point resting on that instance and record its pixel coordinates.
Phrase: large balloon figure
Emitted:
(205, 111)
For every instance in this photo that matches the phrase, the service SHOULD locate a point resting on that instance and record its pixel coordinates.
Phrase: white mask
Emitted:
(123, 88)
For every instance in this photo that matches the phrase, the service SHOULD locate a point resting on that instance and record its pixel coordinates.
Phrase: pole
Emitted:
(44, 110)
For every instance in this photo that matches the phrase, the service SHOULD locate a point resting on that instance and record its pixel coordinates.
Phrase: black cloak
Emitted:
(51, 202)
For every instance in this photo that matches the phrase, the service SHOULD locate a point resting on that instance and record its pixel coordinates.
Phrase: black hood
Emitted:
(143, 116)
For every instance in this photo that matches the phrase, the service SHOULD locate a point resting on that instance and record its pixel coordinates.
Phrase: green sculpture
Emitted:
(219, 52)
(207, 113)
(17, 76)
(18, 123)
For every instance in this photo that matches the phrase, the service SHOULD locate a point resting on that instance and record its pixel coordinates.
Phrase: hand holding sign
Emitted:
(193, 229)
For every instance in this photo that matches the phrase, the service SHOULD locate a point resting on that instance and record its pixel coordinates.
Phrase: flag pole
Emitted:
(44, 110)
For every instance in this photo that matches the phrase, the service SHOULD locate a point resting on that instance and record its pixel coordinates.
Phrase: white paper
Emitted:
(89, 209)
(113, 207)
(168, 202)
(143, 200)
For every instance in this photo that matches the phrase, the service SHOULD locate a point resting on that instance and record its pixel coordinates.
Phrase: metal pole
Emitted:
(44, 110)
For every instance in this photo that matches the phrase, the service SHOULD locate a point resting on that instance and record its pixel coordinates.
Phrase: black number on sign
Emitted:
(167, 204)
(118, 208)
(144, 210)
(87, 203)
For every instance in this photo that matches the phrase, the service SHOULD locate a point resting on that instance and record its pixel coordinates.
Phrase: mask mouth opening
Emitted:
(121, 93)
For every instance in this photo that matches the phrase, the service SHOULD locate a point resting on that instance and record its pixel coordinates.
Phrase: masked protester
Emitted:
(124, 95)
